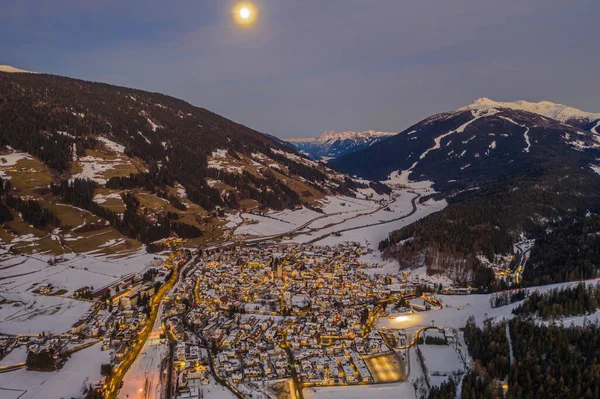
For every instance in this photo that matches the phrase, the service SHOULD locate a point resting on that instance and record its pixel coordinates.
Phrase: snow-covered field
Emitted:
(290, 220)
(441, 359)
(19, 273)
(23, 311)
(82, 369)
(27, 313)
(367, 221)
(371, 236)
(214, 390)
(275, 222)
(15, 356)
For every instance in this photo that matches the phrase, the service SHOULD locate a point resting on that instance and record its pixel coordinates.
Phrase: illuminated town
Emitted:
(264, 319)
(295, 315)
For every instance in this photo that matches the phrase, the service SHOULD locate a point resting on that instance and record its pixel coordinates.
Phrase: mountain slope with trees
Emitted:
(505, 173)
(147, 164)
(58, 119)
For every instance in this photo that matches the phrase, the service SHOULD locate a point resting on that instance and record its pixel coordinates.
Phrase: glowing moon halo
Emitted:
(245, 14)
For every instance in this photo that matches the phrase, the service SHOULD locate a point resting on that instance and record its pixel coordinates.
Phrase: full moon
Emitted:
(245, 13)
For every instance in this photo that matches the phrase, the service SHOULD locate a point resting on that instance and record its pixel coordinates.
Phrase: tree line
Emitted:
(581, 299)
(549, 361)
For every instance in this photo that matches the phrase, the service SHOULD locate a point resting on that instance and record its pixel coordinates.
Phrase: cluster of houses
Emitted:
(261, 309)
(191, 369)
(119, 314)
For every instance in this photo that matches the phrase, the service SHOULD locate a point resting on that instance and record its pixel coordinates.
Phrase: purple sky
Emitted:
(315, 65)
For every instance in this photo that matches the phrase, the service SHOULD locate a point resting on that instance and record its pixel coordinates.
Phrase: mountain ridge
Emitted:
(482, 130)
(12, 69)
(331, 144)
(549, 109)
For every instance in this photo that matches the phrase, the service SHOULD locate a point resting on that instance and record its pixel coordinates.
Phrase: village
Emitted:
(273, 312)
(246, 318)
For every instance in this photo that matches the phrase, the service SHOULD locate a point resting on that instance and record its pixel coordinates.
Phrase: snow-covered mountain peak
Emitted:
(559, 112)
(350, 135)
(332, 144)
(11, 69)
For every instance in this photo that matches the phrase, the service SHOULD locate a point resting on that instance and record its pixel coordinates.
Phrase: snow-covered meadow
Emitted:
(344, 219)
(24, 311)
(82, 369)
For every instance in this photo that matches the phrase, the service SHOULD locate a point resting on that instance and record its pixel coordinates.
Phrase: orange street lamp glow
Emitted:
(245, 14)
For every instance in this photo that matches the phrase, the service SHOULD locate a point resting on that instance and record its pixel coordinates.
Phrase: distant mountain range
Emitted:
(329, 145)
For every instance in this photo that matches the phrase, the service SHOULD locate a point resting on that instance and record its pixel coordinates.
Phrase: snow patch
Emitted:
(11, 69)
(111, 145)
(525, 134)
(101, 199)
(594, 129)
(65, 134)
(153, 125)
(219, 154)
(144, 137)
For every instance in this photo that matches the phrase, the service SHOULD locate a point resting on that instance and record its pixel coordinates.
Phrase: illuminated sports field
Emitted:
(386, 368)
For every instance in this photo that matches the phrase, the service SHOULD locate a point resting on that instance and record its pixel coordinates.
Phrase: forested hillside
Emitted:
(58, 119)
(489, 220)
(569, 301)
(549, 361)
(148, 165)
(570, 251)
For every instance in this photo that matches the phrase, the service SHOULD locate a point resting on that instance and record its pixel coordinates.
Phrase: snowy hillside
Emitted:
(168, 163)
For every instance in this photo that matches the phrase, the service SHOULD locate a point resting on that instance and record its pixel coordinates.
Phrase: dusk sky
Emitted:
(315, 65)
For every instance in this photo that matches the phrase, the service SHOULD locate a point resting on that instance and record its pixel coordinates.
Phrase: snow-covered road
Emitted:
(143, 378)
